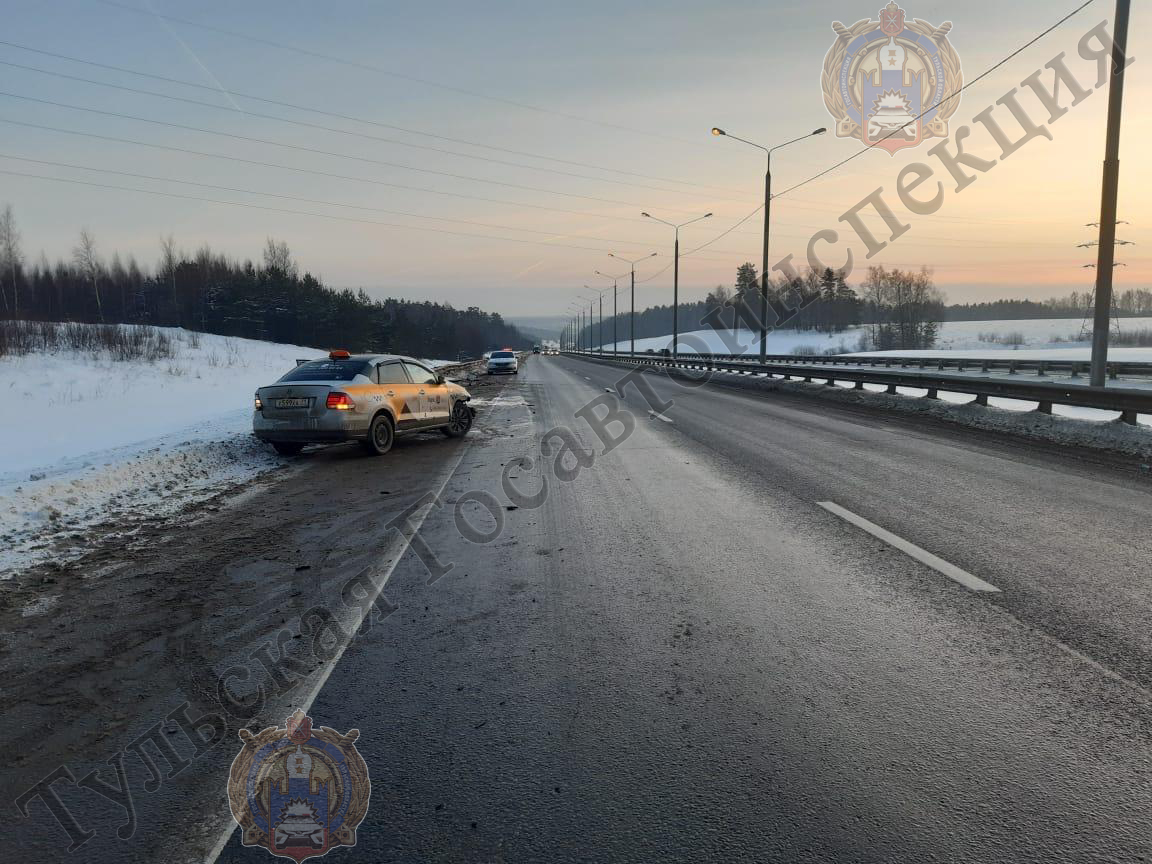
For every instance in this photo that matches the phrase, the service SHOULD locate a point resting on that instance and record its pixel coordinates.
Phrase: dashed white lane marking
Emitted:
(972, 583)
(656, 416)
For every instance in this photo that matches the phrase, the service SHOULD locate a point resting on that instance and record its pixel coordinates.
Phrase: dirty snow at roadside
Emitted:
(87, 439)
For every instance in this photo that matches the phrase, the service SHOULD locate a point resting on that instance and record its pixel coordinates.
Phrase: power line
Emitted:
(358, 64)
(300, 199)
(304, 124)
(314, 172)
(947, 98)
(950, 96)
(314, 110)
(315, 150)
(298, 212)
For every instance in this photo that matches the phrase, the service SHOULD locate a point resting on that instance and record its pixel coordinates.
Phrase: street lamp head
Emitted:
(654, 254)
(820, 131)
(706, 215)
(649, 215)
(718, 131)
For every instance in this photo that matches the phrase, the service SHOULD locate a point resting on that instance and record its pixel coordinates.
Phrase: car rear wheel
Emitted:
(287, 448)
(459, 421)
(381, 434)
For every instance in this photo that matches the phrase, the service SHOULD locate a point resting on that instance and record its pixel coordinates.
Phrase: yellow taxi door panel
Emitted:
(425, 381)
(403, 396)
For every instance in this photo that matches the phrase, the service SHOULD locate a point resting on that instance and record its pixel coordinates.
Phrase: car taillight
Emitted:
(340, 402)
(259, 406)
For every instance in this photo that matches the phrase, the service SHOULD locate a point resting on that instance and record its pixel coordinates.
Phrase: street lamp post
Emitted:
(767, 225)
(615, 279)
(592, 317)
(676, 275)
(632, 319)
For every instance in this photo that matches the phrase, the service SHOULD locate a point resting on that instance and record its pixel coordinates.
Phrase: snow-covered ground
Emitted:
(1051, 339)
(1056, 335)
(88, 439)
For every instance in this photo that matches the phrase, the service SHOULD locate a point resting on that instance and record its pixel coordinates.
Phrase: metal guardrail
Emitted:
(1039, 367)
(1129, 402)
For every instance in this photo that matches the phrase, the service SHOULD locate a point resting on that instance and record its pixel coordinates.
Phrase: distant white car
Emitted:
(503, 363)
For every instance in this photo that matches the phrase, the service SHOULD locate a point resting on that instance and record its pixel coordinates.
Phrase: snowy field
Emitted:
(957, 338)
(1052, 339)
(88, 439)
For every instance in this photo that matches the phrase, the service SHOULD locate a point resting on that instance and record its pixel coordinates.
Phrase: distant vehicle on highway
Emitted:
(503, 363)
(535, 349)
(369, 398)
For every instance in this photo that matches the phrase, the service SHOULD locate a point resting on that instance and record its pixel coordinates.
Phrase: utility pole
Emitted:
(1108, 193)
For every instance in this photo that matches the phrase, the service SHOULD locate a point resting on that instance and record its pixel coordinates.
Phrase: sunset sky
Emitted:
(561, 122)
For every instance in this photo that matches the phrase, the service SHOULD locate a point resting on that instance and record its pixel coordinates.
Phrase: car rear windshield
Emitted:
(503, 355)
(327, 370)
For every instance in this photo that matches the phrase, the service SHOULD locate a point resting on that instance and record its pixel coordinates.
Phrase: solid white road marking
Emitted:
(413, 526)
(972, 583)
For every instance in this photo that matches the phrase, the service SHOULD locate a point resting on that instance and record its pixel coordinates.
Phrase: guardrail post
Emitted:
(831, 382)
(981, 399)
(1044, 407)
(931, 394)
(983, 365)
(1075, 371)
(1112, 371)
(859, 385)
(960, 366)
(1043, 369)
(1128, 417)
(1012, 368)
(891, 389)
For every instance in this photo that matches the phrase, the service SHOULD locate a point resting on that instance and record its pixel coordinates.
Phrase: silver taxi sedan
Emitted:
(369, 398)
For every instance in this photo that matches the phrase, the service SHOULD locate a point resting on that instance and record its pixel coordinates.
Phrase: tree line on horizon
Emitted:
(897, 309)
(208, 292)
(902, 309)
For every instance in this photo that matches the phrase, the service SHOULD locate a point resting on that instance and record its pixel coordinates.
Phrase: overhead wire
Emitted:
(340, 116)
(243, 191)
(314, 150)
(296, 212)
(315, 172)
(348, 132)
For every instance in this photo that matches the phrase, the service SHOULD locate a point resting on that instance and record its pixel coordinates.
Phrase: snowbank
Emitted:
(90, 440)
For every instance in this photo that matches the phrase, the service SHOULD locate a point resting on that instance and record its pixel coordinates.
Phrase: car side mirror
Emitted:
(439, 379)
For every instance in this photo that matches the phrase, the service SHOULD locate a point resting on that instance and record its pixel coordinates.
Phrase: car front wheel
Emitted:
(459, 421)
(381, 434)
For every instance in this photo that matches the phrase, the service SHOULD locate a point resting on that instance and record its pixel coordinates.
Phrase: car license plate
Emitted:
(292, 403)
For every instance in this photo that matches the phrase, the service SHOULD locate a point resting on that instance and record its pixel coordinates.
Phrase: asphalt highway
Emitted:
(743, 634)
